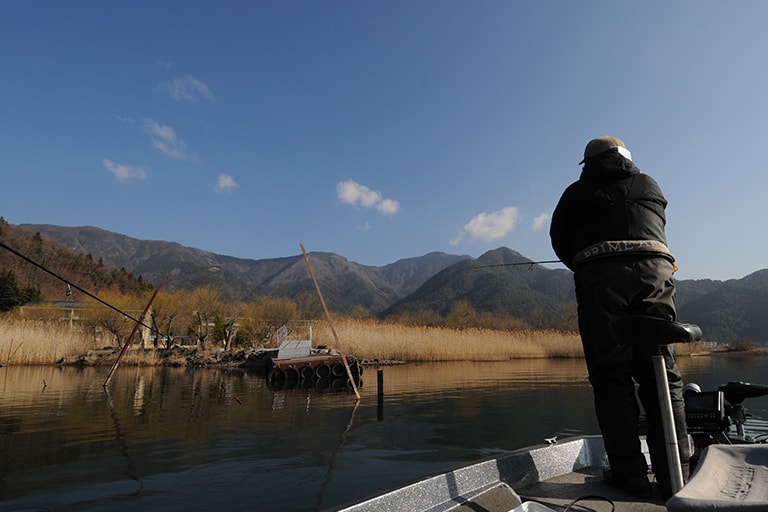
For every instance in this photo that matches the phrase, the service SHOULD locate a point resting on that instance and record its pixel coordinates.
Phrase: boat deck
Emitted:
(728, 478)
(560, 491)
(550, 474)
(563, 489)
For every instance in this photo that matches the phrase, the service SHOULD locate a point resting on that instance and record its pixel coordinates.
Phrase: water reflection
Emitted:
(120, 437)
(172, 438)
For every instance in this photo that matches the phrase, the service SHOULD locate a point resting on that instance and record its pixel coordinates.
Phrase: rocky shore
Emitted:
(256, 359)
(176, 356)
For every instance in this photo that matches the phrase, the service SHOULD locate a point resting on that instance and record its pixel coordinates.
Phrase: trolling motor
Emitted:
(705, 411)
(713, 412)
(729, 471)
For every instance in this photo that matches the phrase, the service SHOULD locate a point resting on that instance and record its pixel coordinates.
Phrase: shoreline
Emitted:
(37, 343)
(180, 357)
(259, 359)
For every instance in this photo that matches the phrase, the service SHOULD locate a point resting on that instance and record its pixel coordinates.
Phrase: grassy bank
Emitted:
(368, 340)
(372, 340)
(36, 342)
(32, 342)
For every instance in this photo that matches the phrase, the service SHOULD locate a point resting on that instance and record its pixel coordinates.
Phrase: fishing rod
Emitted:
(531, 263)
(70, 284)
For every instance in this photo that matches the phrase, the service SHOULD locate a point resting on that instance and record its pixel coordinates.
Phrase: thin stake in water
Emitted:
(330, 322)
(133, 332)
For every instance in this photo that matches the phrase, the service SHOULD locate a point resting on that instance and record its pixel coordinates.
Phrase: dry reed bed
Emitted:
(38, 342)
(367, 339)
(384, 341)
(33, 342)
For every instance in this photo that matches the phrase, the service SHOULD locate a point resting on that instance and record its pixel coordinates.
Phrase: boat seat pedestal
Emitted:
(650, 330)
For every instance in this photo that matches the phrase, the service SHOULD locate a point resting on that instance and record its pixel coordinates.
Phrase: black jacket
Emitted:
(611, 201)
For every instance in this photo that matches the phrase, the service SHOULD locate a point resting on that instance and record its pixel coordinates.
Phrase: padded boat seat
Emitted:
(651, 330)
(729, 478)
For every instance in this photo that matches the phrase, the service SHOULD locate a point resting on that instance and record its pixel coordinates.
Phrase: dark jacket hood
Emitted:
(610, 166)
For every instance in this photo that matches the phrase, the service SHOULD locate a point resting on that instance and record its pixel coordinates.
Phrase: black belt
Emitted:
(653, 248)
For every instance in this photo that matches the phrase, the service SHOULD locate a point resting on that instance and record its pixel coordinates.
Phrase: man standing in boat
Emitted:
(608, 228)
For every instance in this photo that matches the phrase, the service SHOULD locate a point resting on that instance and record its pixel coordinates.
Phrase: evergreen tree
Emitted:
(10, 295)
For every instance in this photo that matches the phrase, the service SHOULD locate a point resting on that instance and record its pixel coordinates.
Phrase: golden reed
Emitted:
(368, 339)
(35, 342)
(39, 342)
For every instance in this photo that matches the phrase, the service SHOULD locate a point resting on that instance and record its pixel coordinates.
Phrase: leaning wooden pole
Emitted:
(136, 326)
(330, 322)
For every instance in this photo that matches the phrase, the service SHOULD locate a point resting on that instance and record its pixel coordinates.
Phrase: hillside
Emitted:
(732, 309)
(72, 266)
(344, 284)
(502, 281)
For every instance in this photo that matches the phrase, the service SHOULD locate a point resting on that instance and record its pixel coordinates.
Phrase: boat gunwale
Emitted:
(514, 469)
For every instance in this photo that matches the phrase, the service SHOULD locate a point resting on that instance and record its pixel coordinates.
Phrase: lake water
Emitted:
(202, 439)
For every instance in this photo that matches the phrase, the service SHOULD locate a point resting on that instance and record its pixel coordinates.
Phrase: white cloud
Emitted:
(457, 240)
(226, 183)
(187, 88)
(164, 139)
(124, 173)
(489, 226)
(541, 221)
(355, 194)
(388, 206)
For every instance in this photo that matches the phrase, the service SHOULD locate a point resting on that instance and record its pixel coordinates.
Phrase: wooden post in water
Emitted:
(133, 332)
(330, 322)
(380, 394)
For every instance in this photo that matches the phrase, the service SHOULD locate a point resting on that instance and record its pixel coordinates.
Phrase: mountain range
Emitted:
(501, 281)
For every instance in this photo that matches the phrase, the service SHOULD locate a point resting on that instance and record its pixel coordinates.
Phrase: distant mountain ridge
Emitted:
(48, 268)
(501, 281)
(345, 284)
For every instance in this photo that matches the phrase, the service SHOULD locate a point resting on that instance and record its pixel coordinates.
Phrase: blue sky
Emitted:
(381, 130)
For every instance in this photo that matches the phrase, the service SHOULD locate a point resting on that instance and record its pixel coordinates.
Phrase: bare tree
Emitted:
(228, 324)
(167, 308)
(114, 322)
(261, 319)
(461, 315)
(206, 304)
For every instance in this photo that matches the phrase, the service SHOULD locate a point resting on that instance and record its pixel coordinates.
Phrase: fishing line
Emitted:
(531, 263)
(76, 287)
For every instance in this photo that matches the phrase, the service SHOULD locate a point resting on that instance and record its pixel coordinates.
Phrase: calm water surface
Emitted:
(178, 439)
